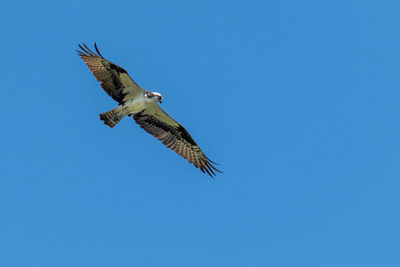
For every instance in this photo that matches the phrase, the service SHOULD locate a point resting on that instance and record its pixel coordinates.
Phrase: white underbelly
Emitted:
(135, 105)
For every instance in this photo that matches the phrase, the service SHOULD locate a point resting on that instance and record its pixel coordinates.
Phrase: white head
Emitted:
(154, 95)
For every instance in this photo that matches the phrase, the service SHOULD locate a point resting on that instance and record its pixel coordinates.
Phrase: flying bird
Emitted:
(143, 107)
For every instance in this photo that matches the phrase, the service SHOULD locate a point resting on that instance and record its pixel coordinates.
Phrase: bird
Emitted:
(142, 105)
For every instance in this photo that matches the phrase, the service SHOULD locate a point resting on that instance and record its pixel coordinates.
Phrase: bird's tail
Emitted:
(112, 117)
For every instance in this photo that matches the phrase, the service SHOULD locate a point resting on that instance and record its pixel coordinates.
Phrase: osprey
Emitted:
(142, 106)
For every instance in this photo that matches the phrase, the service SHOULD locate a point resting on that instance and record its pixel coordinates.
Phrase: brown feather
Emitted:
(174, 137)
(114, 80)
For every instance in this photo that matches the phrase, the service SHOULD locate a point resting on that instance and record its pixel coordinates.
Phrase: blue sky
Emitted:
(297, 100)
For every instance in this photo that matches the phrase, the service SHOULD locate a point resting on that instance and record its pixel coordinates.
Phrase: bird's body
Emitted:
(143, 106)
(135, 105)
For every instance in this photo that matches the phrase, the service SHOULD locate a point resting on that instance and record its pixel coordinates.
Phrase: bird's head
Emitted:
(155, 96)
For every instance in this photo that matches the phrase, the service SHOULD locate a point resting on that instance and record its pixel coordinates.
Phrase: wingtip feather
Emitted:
(86, 51)
(97, 50)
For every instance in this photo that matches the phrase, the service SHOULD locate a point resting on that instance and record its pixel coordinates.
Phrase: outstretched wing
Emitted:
(157, 123)
(114, 79)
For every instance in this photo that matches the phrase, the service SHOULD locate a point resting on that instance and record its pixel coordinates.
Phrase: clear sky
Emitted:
(297, 100)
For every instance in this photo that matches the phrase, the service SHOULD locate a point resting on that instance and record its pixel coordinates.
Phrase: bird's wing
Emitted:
(114, 79)
(157, 123)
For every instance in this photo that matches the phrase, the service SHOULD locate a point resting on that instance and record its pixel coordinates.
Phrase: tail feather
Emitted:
(111, 118)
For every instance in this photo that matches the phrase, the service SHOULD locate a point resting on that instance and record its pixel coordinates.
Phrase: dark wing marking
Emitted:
(157, 123)
(114, 79)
